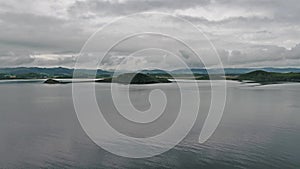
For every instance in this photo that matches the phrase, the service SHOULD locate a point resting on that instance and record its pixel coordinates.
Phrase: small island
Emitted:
(134, 78)
(52, 81)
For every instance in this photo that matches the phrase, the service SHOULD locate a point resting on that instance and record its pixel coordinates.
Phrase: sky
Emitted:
(48, 33)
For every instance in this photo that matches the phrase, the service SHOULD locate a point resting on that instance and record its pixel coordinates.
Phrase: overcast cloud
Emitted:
(253, 33)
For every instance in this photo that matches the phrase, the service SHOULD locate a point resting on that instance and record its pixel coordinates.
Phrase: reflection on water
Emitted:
(259, 129)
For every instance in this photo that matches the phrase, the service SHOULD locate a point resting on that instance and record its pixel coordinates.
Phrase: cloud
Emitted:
(131, 6)
(54, 60)
(15, 59)
(245, 33)
(259, 56)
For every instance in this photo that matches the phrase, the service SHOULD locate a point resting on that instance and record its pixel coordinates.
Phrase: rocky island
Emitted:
(52, 81)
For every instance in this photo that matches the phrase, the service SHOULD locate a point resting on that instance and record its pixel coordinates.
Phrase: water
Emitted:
(259, 129)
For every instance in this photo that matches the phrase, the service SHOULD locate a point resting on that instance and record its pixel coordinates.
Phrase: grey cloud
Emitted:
(15, 59)
(39, 31)
(294, 53)
(254, 32)
(260, 55)
(282, 11)
(132, 6)
(68, 61)
(112, 60)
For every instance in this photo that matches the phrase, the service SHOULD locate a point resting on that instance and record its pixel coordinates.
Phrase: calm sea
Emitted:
(259, 129)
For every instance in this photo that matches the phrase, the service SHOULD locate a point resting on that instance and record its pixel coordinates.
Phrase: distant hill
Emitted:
(235, 71)
(188, 71)
(281, 70)
(57, 72)
(154, 71)
(61, 72)
(24, 70)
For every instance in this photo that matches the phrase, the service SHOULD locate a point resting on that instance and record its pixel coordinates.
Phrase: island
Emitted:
(134, 78)
(52, 81)
(264, 77)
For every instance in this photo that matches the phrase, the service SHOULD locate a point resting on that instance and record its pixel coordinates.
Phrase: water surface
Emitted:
(260, 129)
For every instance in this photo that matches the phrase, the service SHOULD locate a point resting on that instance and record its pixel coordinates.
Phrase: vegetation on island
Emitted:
(264, 77)
(134, 78)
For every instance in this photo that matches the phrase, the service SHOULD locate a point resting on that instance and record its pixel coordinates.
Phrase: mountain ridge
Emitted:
(63, 72)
